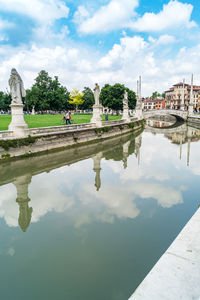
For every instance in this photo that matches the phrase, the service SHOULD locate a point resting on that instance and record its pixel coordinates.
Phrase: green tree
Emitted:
(76, 98)
(155, 95)
(111, 96)
(163, 95)
(47, 94)
(88, 98)
(5, 101)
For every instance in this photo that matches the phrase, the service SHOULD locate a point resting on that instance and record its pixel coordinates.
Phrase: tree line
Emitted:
(48, 94)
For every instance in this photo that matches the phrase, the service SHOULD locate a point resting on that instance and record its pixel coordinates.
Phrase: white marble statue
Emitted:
(96, 94)
(16, 87)
(125, 101)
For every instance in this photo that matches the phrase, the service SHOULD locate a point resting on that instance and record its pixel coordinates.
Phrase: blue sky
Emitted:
(104, 41)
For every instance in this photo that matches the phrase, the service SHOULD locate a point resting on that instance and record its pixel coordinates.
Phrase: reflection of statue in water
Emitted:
(126, 153)
(25, 212)
(16, 87)
(97, 169)
(96, 93)
(138, 143)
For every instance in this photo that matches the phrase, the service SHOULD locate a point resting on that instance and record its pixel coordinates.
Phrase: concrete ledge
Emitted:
(67, 137)
(194, 121)
(177, 273)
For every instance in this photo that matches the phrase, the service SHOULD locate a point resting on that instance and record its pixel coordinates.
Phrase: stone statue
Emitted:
(96, 94)
(16, 87)
(125, 101)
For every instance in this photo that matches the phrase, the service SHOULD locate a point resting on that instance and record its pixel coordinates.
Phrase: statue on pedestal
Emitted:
(125, 115)
(96, 93)
(97, 108)
(16, 87)
(18, 126)
(125, 101)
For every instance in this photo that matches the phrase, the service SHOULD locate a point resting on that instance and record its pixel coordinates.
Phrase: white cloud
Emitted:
(81, 14)
(112, 16)
(77, 66)
(43, 11)
(5, 24)
(173, 15)
(165, 39)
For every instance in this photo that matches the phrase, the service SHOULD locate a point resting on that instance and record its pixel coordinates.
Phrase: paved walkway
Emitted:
(177, 274)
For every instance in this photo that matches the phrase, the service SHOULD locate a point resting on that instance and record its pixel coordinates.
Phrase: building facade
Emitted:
(174, 96)
(153, 103)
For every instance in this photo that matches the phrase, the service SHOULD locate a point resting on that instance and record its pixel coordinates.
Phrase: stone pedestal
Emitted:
(96, 118)
(125, 115)
(18, 125)
(139, 114)
(182, 107)
(191, 110)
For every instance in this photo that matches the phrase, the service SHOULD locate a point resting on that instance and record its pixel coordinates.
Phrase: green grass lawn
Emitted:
(34, 121)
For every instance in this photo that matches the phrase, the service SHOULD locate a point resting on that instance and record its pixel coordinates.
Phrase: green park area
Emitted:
(46, 120)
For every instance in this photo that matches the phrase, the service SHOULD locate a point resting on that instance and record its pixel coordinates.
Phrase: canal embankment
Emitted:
(177, 273)
(194, 121)
(51, 138)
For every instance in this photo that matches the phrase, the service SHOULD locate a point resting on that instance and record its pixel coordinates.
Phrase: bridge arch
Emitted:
(178, 114)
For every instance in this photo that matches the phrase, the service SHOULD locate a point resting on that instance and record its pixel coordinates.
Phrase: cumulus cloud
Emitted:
(109, 17)
(121, 14)
(173, 15)
(165, 39)
(78, 66)
(43, 11)
(5, 24)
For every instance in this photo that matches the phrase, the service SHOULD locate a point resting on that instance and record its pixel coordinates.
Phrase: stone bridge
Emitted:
(179, 114)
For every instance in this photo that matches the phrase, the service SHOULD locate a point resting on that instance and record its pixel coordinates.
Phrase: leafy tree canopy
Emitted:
(111, 96)
(76, 98)
(88, 98)
(5, 101)
(47, 94)
(155, 95)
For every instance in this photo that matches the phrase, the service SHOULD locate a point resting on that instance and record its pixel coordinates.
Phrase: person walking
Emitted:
(67, 118)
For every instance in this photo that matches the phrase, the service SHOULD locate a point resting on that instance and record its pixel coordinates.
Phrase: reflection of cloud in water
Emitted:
(164, 195)
(71, 188)
(8, 207)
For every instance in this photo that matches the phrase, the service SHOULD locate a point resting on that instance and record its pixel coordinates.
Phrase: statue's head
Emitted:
(14, 71)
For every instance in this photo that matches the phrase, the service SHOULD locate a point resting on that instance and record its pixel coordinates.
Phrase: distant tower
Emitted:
(138, 111)
(183, 96)
(191, 104)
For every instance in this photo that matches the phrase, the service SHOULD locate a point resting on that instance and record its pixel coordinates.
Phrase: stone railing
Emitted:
(44, 131)
(59, 129)
(6, 134)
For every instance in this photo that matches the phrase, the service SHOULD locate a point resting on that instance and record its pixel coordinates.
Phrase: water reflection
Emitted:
(116, 198)
(25, 212)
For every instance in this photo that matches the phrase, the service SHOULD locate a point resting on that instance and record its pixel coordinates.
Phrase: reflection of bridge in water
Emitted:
(180, 134)
(20, 172)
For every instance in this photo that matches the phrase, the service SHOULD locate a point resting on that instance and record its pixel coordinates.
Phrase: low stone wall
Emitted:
(6, 134)
(44, 140)
(194, 121)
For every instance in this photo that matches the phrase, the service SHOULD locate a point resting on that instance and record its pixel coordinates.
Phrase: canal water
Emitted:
(89, 223)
